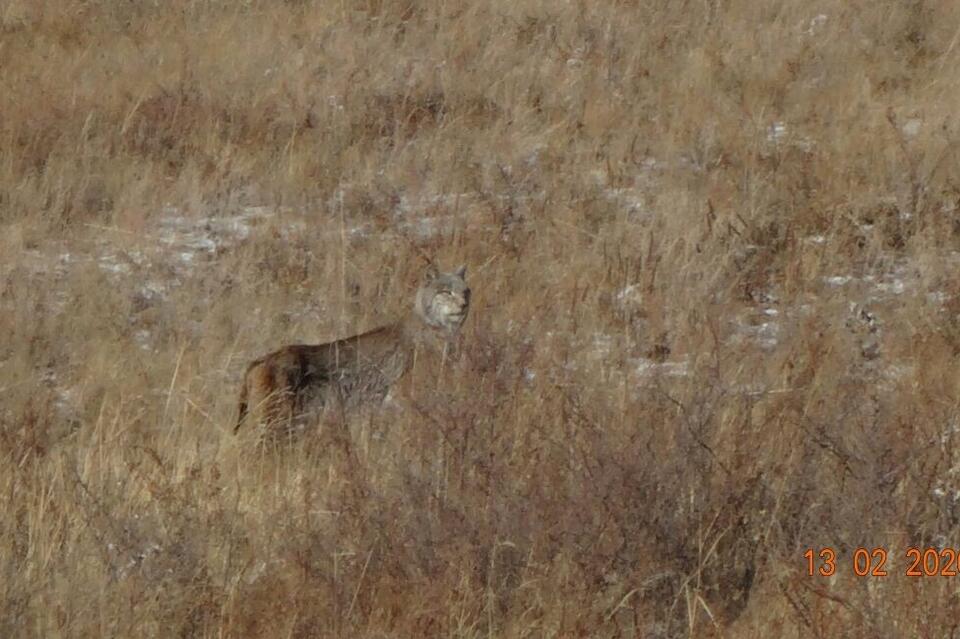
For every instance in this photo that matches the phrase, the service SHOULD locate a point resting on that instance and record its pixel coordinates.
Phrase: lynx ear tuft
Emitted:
(461, 272)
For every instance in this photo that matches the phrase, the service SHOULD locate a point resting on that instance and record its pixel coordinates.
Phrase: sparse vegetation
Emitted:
(713, 248)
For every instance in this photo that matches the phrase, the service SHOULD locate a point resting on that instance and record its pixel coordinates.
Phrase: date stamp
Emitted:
(872, 562)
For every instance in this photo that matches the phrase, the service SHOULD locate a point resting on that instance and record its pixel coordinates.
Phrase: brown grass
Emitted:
(756, 206)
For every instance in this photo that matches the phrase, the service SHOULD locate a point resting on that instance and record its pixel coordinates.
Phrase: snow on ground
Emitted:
(644, 367)
(177, 244)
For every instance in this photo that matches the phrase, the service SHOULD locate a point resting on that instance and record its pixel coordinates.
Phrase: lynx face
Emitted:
(444, 299)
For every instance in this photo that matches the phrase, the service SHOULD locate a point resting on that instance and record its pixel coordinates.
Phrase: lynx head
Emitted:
(443, 299)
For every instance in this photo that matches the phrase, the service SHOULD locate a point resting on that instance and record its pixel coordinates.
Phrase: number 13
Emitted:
(829, 565)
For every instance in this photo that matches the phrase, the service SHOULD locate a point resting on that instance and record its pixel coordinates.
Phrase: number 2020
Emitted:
(930, 562)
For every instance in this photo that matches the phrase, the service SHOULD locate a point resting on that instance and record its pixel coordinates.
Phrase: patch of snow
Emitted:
(894, 372)
(426, 227)
(630, 297)
(838, 280)
(627, 292)
(645, 367)
(191, 237)
(533, 156)
(816, 24)
(144, 339)
(894, 287)
(602, 345)
(109, 264)
(938, 297)
(911, 127)
(776, 132)
(153, 290)
(137, 559)
(766, 334)
(629, 198)
(952, 429)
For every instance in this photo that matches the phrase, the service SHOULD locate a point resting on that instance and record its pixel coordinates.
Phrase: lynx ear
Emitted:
(430, 273)
(461, 272)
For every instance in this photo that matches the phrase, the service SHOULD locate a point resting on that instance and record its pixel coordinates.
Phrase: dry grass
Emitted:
(713, 247)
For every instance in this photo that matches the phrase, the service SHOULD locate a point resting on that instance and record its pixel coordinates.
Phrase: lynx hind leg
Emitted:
(268, 400)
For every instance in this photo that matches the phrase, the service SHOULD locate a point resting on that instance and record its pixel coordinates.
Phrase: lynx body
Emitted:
(283, 387)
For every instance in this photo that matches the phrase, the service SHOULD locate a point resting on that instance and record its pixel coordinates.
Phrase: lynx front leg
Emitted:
(334, 416)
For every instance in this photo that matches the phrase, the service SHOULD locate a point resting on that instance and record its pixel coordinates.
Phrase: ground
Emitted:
(714, 254)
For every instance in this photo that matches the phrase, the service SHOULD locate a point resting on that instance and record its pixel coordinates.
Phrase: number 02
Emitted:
(866, 562)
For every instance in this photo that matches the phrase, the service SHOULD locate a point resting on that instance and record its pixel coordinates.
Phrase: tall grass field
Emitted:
(709, 385)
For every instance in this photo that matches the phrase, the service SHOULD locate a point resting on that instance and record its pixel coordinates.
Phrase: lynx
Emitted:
(301, 379)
